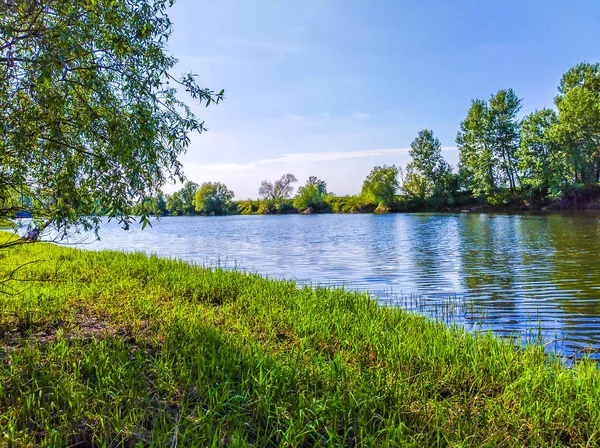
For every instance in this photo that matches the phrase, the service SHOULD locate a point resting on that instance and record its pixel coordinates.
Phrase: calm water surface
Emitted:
(514, 274)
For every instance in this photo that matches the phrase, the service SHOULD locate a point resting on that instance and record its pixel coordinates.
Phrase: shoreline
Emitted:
(149, 346)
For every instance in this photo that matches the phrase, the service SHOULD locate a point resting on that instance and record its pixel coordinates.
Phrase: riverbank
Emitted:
(106, 347)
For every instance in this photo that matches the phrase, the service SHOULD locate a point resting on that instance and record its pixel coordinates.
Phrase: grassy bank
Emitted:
(110, 349)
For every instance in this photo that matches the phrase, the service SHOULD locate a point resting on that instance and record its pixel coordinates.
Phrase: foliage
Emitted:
(182, 201)
(151, 351)
(248, 207)
(92, 122)
(477, 162)
(213, 198)
(380, 186)
(488, 141)
(541, 159)
(504, 132)
(312, 196)
(578, 126)
(428, 175)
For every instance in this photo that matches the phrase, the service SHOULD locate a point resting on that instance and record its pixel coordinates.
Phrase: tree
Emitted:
(174, 204)
(504, 132)
(213, 198)
(159, 204)
(541, 159)
(92, 124)
(320, 184)
(426, 173)
(381, 185)
(188, 195)
(477, 162)
(312, 195)
(278, 190)
(488, 142)
(578, 127)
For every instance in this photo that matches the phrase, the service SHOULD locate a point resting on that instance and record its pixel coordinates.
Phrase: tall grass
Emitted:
(113, 349)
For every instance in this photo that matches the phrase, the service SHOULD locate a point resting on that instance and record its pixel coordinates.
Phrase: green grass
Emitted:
(112, 349)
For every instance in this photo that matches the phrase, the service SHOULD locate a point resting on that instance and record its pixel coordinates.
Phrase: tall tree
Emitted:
(92, 123)
(187, 194)
(504, 132)
(542, 161)
(578, 127)
(488, 142)
(477, 161)
(425, 174)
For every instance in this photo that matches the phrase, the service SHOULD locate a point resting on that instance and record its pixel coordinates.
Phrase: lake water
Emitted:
(515, 274)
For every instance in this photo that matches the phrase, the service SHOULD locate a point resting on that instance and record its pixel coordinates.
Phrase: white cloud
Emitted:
(344, 171)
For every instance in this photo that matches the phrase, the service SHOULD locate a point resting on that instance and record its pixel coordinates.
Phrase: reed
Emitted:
(114, 349)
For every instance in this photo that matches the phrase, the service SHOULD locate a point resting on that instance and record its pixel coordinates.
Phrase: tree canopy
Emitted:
(92, 123)
(213, 198)
(427, 174)
(381, 185)
(312, 195)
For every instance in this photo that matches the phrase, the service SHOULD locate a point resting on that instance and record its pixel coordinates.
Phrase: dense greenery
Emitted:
(547, 154)
(547, 158)
(213, 198)
(91, 120)
(126, 350)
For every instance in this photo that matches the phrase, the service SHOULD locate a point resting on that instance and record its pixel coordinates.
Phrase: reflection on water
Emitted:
(518, 272)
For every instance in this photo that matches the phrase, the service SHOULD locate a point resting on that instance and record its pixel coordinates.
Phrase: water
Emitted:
(515, 274)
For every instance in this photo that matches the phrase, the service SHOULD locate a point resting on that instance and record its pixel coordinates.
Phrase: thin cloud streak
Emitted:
(306, 157)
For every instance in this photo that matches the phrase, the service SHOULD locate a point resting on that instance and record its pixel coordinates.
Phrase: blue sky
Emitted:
(332, 88)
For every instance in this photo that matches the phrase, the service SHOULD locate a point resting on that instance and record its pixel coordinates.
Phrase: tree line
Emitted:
(546, 156)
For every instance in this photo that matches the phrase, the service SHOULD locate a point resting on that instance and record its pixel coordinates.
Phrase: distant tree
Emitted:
(159, 204)
(278, 190)
(187, 196)
(312, 195)
(426, 173)
(213, 198)
(320, 184)
(92, 123)
(477, 162)
(381, 185)
(174, 204)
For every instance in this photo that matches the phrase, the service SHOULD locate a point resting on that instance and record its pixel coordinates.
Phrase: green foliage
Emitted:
(92, 121)
(541, 159)
(350, 204)
(154, 351)
(213, 198)
(428, 175)
(477, 161)
(578, 127)
(380, 186)
(248, 207)
(312, 196)
(488, 141)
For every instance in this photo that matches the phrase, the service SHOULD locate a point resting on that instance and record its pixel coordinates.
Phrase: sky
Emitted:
(332, 88)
